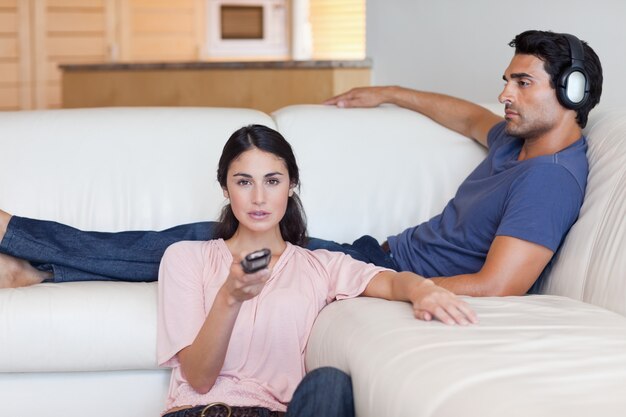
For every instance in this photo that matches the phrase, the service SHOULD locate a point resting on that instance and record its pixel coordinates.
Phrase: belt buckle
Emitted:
(229, 411)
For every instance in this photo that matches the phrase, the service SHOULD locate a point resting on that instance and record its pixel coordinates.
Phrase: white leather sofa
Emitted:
(88, 348)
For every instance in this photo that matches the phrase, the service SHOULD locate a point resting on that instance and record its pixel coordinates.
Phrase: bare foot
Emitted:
(16, 273)
(4, 222)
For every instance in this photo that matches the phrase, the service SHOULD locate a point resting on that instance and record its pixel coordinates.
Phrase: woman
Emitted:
(238, 338)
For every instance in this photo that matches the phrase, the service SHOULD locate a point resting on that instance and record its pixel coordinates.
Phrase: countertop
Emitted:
(200, 65)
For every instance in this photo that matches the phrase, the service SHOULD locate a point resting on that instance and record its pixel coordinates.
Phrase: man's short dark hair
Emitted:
(553, 49)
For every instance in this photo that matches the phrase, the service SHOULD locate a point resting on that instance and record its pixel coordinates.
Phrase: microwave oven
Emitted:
(247, 29)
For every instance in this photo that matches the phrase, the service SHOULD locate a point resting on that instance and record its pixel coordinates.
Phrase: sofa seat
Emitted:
(81, 326)
(537, 355)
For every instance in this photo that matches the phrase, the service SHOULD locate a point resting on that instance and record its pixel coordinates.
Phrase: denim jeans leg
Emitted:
(324, 392)
(365, 249)
(76, 255)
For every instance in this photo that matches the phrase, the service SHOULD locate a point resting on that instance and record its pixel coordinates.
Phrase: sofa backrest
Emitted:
(373, 171)
(111, 169)
(364, 171)
(386, 169)
(591, 264)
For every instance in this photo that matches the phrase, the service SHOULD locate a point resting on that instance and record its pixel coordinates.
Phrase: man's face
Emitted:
(531, 106)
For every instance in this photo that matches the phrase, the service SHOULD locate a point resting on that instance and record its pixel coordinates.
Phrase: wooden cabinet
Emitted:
(265, 86)
(67, 31)
(15, 64)
(160, 30)
(38, 35)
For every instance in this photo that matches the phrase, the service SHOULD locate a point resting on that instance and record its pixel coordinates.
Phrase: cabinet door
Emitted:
(68, 32)
(161, 30)
(15, 68)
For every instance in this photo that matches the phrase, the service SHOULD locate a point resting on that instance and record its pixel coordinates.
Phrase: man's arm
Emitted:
(511, 268)
(462, 116)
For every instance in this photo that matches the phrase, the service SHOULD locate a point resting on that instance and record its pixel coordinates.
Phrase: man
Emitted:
(508, 217)
(517, 206)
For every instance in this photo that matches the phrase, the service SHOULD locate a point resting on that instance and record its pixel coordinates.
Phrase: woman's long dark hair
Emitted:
(293, 223)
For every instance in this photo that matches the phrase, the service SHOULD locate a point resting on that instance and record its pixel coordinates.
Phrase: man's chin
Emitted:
(512, 130)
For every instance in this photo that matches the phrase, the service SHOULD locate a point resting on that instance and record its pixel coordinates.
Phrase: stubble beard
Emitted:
(527, 129)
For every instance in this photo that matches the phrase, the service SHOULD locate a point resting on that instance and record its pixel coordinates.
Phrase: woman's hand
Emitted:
(202, 361)
(240, 286)
(430, 301)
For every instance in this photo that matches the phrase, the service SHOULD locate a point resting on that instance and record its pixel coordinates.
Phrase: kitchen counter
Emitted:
(262, 85)
(194, 65)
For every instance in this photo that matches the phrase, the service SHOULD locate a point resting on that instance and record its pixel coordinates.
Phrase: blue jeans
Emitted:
(324, 392)
(75, 255)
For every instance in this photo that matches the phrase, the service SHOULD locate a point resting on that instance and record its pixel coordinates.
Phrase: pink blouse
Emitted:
(265, 358)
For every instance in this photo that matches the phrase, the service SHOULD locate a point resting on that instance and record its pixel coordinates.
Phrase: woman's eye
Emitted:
(273, 181)
(243, 182)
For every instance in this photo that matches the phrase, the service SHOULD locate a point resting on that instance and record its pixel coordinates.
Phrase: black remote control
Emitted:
(256, 261)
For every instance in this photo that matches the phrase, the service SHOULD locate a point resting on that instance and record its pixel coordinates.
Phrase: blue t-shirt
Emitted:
(536, 200)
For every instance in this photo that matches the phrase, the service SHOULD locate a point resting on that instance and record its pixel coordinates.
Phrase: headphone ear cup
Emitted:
(573, 88)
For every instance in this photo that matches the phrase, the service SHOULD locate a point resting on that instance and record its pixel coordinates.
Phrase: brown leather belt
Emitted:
(224, 410)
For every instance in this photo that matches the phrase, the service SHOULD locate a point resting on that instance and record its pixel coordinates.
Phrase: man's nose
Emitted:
(506, 96)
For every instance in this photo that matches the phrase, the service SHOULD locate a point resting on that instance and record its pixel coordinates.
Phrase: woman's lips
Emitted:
(258, 215)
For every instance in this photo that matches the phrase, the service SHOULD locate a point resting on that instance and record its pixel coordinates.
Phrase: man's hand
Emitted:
(361, 97)
(467, 118)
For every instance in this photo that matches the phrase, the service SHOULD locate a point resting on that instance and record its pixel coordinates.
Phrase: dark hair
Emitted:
(553, 49)
(293, 223)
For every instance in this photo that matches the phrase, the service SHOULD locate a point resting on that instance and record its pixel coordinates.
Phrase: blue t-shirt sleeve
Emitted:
(541, 206)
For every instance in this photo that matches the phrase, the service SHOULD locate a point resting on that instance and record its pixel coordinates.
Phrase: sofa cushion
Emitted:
(117, 168)
(373, 171)
(540, 356)
(591, 266)
(78, 326)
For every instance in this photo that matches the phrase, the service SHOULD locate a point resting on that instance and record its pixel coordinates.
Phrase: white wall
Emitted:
(460, 47)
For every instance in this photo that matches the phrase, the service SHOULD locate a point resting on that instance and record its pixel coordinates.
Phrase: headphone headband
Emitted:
(576, 51)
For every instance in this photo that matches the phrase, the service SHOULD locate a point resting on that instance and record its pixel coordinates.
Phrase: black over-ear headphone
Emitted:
(573, 86)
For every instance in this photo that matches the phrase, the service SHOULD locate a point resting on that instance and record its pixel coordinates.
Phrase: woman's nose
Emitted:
(259, 195)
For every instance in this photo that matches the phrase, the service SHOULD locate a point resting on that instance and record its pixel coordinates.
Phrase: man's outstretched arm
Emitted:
(511, 268)
(462, 116)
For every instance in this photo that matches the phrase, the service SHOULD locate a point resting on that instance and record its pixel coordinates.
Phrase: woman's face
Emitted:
(258, 186)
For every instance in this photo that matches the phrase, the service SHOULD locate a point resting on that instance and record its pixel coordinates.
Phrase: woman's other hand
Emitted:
(430, 301)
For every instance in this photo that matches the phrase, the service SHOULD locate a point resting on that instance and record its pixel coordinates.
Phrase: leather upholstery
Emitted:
(373, 171)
